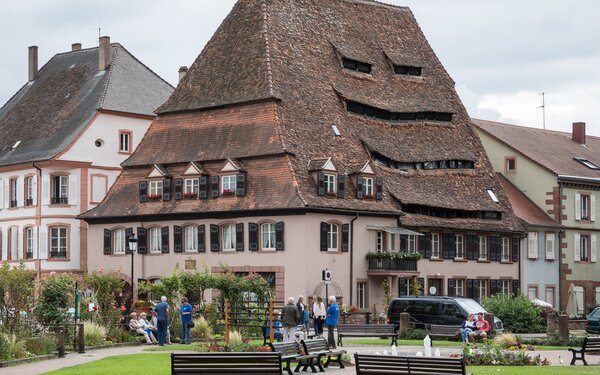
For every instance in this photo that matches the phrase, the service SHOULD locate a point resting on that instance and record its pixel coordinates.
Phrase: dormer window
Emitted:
(329, 183)
(156, 190)
(228, 185)
(356, 65)
(368, 185)
(407, 70)
(384, 114)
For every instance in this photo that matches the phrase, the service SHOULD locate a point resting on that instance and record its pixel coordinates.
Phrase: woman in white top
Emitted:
(319, 314)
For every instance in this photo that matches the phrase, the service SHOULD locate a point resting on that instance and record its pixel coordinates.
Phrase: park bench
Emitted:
(291, 351)
(442, 331)
(366, 330)
(257, 363)
(590, 345)
(367, 364)
(320, 348)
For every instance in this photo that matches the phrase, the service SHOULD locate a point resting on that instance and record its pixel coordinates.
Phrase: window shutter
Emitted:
(177, 238)
(493, 248)
(128, 233)
(379, 188)
(593, 207)
(449, 246)
(214, 187)
(324, 227)
(72, 193)
(577, 206)
(178, 188)
(45, 190)
(576, 247)
(593, 248)
(345, 236)
(470, 292)
(550, 246)
(166, 189)
(107, 242)
(359, 187)
(20, 193)
(142, 242)
(422, 245)
(427, 245)
(321, 184)
(240, 184)
(472, 247)
(1, 203)
(214, 237)
(532, 245)
(279, 236)
(34, 191)
(239, 237)
(203, 187)
(515, 249)
(493, 287)
(404, 242)
(451, 290)
(252, 236)
(43, 238)
(164, 233)
(516, 286)
(340, 189)
(143, 191)
(201, 238)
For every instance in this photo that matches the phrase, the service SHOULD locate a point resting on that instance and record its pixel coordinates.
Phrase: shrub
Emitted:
(235, 337)
(516, 312)
(55, 299)
(116, 334)
(412, 334)
(94, 334)
(201, 329)
(40, 345)
(12, 347)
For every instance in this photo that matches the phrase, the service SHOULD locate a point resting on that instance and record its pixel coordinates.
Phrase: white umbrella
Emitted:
(539, 303)
(572, 309)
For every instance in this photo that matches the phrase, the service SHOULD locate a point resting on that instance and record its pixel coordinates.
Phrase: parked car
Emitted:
(442, 310)
(592, 325)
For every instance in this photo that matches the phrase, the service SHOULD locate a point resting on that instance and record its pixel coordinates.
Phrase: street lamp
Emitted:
(131, 249)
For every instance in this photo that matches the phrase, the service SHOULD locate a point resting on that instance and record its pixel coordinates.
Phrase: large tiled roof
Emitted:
(288, 53)
(554, 150)
(48, 113)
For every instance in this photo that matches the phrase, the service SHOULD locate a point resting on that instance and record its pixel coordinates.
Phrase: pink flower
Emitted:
(101, 270)
(52, 273)
(123, 308)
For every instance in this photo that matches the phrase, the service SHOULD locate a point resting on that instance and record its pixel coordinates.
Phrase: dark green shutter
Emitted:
(252, 236)
(359, 187)
(214, 186)
(379, 188)
(279, 236)
(203, 187)
(345, 236)
(324, 229)
(450, 245)
(239, 237)
(128, 233)
(515, 249)
(240, 184)
(472, 247)
(422, 245)
(404, 242)
(178, 188)
(177, 239)
(427, 245)
(493, 287)
(107, 242)
(451, 289)
(470, 289)
(143, 185)
(516, 287)
(201, 238)
(142, 241)
(321, 183)
(340, 189)
(214, 238)
(166, 189)
(164, 234)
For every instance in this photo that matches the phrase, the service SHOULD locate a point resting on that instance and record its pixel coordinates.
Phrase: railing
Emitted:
(59, 200)
(58, 254)
(388, 264)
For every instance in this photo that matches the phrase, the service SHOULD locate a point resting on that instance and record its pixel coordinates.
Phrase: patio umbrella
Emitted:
(572, 309)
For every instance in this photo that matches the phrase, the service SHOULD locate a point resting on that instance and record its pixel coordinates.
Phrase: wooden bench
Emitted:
(366, 330)
(442, 331)
(320, 348)
(256, 363)
(367, 364)
(590, 345)
(290, 351)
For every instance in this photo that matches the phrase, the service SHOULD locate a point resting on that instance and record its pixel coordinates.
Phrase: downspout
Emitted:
(352, 256)
(564, 233)
(39, 202)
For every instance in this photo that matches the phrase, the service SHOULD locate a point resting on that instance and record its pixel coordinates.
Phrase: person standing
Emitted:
(162, 319)
(319, 314)
(300, 307)
(333, 313)
(289, 319)
(186, 318)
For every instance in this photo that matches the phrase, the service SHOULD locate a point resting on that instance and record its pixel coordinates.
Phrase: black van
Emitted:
(426, 310)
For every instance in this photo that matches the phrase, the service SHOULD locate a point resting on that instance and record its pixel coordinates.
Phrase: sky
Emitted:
(502, 54)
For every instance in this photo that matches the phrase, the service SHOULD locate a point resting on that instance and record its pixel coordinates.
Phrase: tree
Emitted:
(16, 295)
(57, 295)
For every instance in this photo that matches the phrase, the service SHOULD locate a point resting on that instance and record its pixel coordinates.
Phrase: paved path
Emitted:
(554, 356)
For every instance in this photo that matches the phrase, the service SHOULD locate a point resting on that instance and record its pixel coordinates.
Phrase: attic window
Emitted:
(493, 196)
(336, 131)
(583, 161)
(450, 213)
(356, 65)
(428, 165)
(406, 70)
(17, 143)
(383, 114)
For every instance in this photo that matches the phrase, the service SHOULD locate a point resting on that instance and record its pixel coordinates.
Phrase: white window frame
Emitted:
(483, 253)
(553, 294)
(267, 236)
(532, 291)
(585, 207)
(13, 186)
(63, 189)
(379, 242)
(228, 184)
(190, 238)
(119, 239)
(191, 185)
(505, 287)
(550, 246)
(333, 237)
(155, 187)
(368, 186)
(459, 287)
(584, 248)
(411, 243)
(29, 192)
(435, 246)
(361, 294)
(505, 256)
(29, 234)
(155, 235)
(507, 163)
(460, 246)
(228, 240)
(482, 289)
(125, 141)
(329, 183)
(60, 234)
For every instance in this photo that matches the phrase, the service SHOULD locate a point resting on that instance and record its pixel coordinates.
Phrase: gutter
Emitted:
(352, 256)
(566, 178)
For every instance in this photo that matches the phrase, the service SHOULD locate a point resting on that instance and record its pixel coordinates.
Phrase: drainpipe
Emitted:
(560, 265)
(39, 202)
(352, 256)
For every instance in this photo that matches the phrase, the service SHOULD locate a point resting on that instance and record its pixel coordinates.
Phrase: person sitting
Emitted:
(136, 327)
(482, 328)
(467, 327)
(147, 327)
(277, 327)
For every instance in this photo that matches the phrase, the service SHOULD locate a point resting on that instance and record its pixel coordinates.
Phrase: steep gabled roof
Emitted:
(553, 150)
(48, 113)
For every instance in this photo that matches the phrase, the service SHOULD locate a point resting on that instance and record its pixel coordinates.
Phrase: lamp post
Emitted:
(131, 249)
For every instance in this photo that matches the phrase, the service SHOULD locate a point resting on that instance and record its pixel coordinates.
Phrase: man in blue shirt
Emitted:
(186, 318)
(162, 319)
(333, 313)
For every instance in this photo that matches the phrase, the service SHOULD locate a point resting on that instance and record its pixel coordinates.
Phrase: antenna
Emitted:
(543, 107)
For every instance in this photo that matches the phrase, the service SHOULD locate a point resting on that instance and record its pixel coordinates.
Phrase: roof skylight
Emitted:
(587, 163)
(493, 196)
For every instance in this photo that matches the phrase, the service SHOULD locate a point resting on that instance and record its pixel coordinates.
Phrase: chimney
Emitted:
(579, 132)
(104, 53)
(182, 72)
(33, 63)
(75, 46)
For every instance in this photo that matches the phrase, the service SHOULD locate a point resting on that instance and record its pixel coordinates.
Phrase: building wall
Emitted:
(541, 269)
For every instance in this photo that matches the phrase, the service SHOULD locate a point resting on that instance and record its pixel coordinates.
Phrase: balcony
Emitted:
(392, 262)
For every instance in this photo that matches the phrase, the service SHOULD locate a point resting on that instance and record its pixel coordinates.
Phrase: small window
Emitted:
(435, 245)
(550, 295)
(482, 290)
(356, 66)
(228, 185)
(510, 165)
(505, 287)
(60, 189)
(228, 237)
(585, 207)
(155, 240)
(412, 243)
(493, 196)
(379, 242)
(368, 187)
(550, 244)
(191, 238)
(329, 183)
(29, 243)
(191, 187)
(407, 70)
(58, 242)
(268, 236)
(505, 249)
(332, 237)
(119, 241)
(483, 248)
(13, 192)
(460, 246)
(459, 287)
(125, 142)
(361, 295)
(584, 248)
(532, 291)
(156, 189)
(29, 191)
(587, 163)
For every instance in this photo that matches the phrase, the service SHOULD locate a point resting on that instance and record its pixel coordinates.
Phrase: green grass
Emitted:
(533, 370)
(159, 363)
(172, 348)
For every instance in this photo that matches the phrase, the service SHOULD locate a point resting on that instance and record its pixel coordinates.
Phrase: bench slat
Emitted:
(226, 363)
(367, 364)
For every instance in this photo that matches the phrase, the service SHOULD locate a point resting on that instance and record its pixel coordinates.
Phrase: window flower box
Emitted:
(190, 195)
(228, 193)
(368, 196)
(154, 197)
(332, 194)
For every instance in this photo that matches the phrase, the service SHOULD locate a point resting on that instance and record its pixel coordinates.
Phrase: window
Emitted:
(156, 189)
(29, 243)
(356, 65)
(532, 291)
(119, 241)
(482, 248)
(125, 141)
(435, 245)
(12, 183)
(482, 290)
(361, 295)
(155, 240)
(505, 249)
(228, 237)
(550, 295)
(368, 186)
(510, 164)
(505, 287)
(459, 287)
(532, 245)
(412, 243)
(585, 207)
(587, 163)
(268, 236)
(434, 164)
(332, 237)
(228, 184)
(58, 242)
(406, 70)
(460, 246)
(584, 245)
(60, 190)
(191, 187)
(379, 244)
(191, 238)
(29, 191)
(550, 240)
(384, 114)
(329, 183)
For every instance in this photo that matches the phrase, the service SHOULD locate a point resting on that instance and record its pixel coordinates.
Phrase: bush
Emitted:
(516, 312)
(40, 345)
(94, 334)
(235, 337)
(201, 329)
(12, 347)
(116, 334)
(55, 299)
(412, 334)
